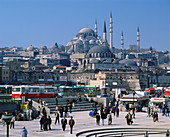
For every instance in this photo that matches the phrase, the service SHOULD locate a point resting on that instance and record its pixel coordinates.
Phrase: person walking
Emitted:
(109, 119)
(70, 106)
(71, 123)
(49, 122)
(113, 110)
(64, 123)
(45, 123)
(103, 116)
(39, 110)
(12, 122)
(79, 97)
(117, 111)
(127, 119)
(42, 122)
(57, 117)
(23, 132)
(61, 110)
(66, 110)
(97, 119)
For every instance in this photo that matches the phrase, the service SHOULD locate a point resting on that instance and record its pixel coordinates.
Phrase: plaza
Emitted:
(84, 122)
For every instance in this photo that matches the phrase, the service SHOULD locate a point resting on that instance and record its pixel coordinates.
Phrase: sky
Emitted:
(45, 22)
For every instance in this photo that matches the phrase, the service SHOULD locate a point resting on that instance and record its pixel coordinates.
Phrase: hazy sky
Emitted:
(44, 22)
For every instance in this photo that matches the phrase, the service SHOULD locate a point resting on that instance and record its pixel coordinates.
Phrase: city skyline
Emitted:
(37, 23)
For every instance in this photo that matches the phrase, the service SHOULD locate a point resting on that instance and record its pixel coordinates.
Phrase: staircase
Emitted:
(81, 106)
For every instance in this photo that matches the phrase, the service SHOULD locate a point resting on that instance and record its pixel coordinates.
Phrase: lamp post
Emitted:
(133, 104)
(7, 118)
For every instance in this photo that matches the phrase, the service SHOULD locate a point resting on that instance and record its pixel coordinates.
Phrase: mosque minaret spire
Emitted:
(122, 41)
(138, 40)
(95, 27)
(104, 33)
(111, 31)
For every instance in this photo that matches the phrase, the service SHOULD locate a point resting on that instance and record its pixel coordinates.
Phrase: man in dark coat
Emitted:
(71, 123)
(97, 119)
(49, 122)
(64, 123)
(45, 122)
(42, 122)
(57, 118)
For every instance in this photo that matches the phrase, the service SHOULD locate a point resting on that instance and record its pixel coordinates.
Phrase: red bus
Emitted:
(34, 92)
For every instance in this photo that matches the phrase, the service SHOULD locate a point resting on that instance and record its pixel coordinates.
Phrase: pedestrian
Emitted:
(127, 119)
(49, 122)
(103, 116)
(44, 112)
(79, 97)
(39, 110)
(42, 122)
(113, 110)
(97, 119)
(66, 110)
(57, 118)
(109, 119)
(117, 111)
(130, 118)
(64, 123)
(61, 110)
(45, 123)
(71, 123)
(149, 111)
(23, 132)
(156, 116)
(167, 111)
(12, 122)
(70, 106)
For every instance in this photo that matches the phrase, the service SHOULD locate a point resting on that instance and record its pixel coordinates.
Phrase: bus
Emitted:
(34, 92)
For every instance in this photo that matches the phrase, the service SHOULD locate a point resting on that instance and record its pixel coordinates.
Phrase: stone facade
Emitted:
(130, 80)
(83, 77)
(37, 77)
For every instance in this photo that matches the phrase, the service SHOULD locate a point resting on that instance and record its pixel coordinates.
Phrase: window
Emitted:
(16, 89)
(49, 90)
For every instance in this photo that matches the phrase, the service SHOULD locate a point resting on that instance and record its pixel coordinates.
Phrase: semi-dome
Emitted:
(92, 42)
(78, 42)
(30, 48)
(128, 62)
(86, 30)
(53, 46)
(43, 48)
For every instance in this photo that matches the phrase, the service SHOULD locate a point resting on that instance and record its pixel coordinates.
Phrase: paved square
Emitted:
(84, 122)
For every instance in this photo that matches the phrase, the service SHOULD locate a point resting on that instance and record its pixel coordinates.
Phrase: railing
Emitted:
(122, 132)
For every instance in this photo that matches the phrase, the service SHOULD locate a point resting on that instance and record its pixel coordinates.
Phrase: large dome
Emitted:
(86, 30)
(99, 49)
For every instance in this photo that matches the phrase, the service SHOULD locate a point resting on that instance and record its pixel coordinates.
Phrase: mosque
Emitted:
(90, 51)
(87, 38)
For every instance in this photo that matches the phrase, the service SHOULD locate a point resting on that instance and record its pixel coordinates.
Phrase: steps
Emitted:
(81, 106)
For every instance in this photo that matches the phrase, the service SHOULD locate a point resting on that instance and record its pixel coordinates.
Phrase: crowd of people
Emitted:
(106, 113)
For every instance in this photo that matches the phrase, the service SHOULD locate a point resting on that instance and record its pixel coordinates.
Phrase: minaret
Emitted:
(96, 27)
(111, 32)
(122, 41)
(104, 33)
(138, 46)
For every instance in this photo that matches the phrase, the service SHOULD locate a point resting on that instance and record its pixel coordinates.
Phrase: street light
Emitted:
(133, 104)
(7, 118)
